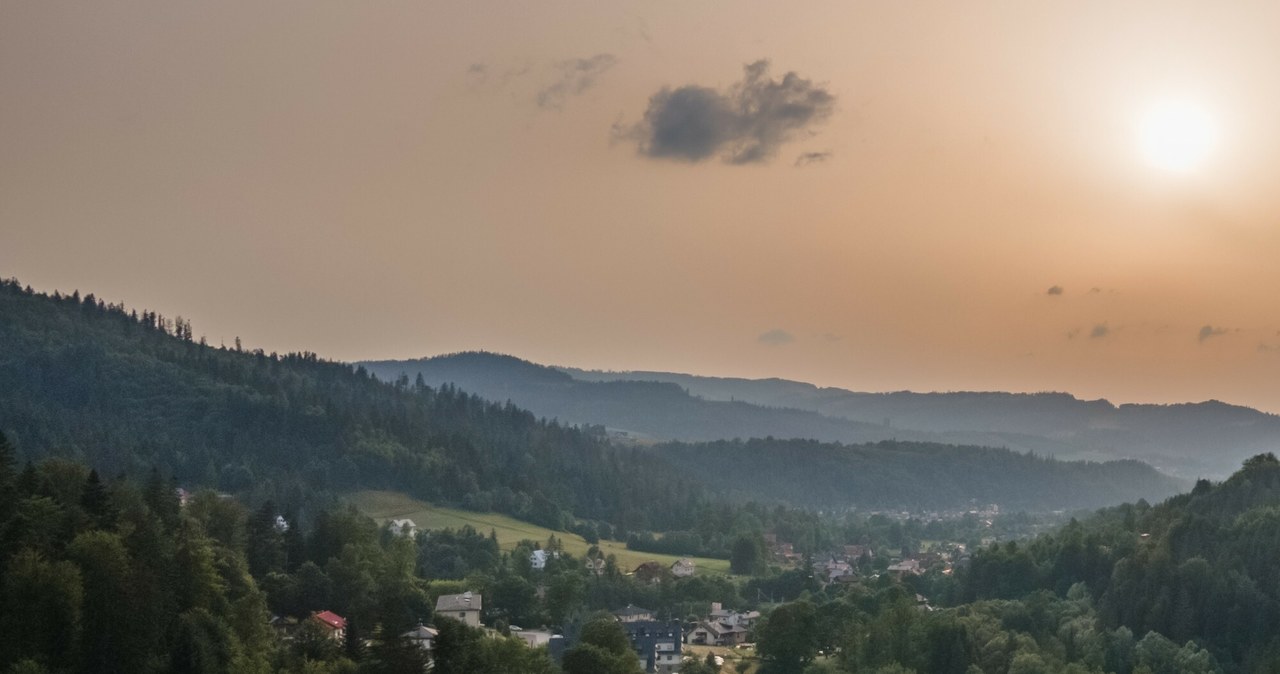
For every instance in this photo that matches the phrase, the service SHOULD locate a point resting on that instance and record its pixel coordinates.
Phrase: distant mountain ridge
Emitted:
(1189, 440)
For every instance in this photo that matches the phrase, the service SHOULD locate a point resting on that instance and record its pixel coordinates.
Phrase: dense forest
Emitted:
(910, 475)
(126, 391)
(1189, 585)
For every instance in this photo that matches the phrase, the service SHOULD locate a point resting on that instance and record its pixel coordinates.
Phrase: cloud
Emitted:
(1209, 331)
(745, 124)
(1099, 331)
(574, 77)
(776, 337)
(807, 158)
(1054, 290)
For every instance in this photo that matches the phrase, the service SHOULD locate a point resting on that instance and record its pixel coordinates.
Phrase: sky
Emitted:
(871, 195)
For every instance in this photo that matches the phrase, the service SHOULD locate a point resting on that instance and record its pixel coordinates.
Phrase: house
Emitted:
(284, 626)
(534, 638)
(905, 566)
(538, 558)
(632, 614)
(404, 527)
(649, 572)
(723, 627)
(595, 566)
(422, 637)
(682, 568)
(334, 623)
(657, 644)
(281, 525)
(464, 608)
(853, 553)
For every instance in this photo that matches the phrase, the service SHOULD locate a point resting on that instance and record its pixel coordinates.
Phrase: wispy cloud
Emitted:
(1054, 290)
(744, 124)
(776, 337)
(1099, 331)
(1208, 331)
(574, 77)
(807, 158)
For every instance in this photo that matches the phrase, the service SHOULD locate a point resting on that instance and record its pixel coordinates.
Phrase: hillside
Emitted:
(1200, 566)
(1190, 439)
(384, 505)
(910, 475)
(645, 409)
(125, 390)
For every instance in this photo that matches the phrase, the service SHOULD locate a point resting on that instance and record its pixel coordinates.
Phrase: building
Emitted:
(657, 644)
(538, 559)
(423, 637)
(649, 572)
(905, 566)
(723, 627)
(683, 568)
(464, 608)
(334, 623)
(404, 527)
(632, 614)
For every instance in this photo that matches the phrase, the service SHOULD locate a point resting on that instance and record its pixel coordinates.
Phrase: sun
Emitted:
(1177, 135)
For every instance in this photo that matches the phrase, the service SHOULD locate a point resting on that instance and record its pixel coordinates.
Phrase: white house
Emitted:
(538, 559)
(404, 528)
(682, 568)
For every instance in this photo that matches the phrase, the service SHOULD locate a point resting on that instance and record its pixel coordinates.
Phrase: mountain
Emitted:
(1191, 439)
(126, 391)
(648, 410)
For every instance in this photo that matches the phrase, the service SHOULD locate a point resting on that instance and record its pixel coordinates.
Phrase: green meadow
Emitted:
(388, 505)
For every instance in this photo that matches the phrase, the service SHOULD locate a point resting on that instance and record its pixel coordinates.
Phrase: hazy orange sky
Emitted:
(606, 185)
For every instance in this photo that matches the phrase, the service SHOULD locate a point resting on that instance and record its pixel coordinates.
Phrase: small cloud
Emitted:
(745, 124)
(776, 337)
(1095, 290)
(574, 77)
(832, 337)
(1099, 331)
(812, 158)
(1209, 331)
(1073, 333)
(1054, 290)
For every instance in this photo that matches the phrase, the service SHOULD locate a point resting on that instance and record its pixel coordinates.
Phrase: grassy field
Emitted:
(386, 505)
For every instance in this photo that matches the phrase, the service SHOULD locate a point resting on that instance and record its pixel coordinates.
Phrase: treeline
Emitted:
(909, 475)
(126, 390)
(1200, 566)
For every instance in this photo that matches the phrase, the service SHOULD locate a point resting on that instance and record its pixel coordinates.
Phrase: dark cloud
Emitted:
(807, 158)
(1054, 290)
(776, 337)
(1209, 331)
(574, 77)
(745, 124)
(1099, 331)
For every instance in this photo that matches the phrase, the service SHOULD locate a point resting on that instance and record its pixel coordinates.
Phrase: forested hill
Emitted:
(910, 475)
(1191, 439)
(646, 409)
(1199, 566)
(124, 391)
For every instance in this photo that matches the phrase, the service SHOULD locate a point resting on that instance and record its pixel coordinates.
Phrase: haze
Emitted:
(940, 196)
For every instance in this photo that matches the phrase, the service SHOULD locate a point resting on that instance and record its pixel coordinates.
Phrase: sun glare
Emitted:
(1177, 136)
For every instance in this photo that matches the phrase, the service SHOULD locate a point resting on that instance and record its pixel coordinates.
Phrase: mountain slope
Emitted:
(1192, 439)
(124, 392)
(910, 475)
(647, 409)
